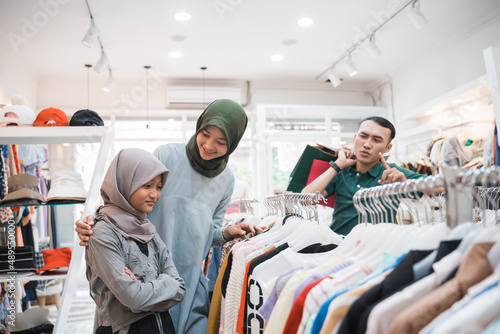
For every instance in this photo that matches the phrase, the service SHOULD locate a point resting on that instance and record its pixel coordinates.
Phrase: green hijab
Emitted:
(231, 119)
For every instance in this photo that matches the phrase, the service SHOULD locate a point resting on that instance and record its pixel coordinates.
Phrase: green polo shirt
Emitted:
(346, 183)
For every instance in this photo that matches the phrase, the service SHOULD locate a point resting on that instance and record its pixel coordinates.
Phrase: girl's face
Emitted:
(211, 143)
(145, 198)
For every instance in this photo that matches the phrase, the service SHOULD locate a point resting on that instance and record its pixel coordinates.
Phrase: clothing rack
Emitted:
(289, 203)
(487, 198)
(463, 191)
(383, 203)
(244, 205)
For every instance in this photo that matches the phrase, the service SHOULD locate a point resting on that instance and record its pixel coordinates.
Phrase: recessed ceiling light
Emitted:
(430, 112)
(175, 54)
(182, 16)
(289, 42)
(178, 38)
(276, 57)
(456, 101)
(305, 22)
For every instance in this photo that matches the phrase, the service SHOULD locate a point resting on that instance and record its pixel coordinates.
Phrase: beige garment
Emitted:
(341, 305)
(474, 268)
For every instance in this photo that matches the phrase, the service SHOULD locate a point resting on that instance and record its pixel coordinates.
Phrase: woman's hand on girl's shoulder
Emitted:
(84, 229)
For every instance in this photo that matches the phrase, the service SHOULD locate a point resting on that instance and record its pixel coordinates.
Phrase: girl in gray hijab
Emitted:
(131, 274)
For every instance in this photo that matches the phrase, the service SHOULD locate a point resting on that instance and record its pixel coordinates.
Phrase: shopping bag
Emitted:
(318, 167)
(299, 176)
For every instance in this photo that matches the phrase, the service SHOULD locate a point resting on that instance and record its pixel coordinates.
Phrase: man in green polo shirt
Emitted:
(364, 167)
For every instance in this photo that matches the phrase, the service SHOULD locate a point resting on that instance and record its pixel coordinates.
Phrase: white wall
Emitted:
(16, 77)
(128, 97)
(438, 74)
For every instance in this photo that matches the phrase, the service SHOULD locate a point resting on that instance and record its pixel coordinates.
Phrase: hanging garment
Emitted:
(472, 270)
(472, 313)
(335, 308)
(385, 311)
(6, 213)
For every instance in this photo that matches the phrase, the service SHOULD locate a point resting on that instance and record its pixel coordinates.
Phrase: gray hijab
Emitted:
(129, 170)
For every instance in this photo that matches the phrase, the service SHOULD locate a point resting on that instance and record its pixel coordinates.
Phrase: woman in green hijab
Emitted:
(194, 200)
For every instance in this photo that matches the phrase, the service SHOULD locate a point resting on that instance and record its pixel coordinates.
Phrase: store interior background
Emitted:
(430, 82)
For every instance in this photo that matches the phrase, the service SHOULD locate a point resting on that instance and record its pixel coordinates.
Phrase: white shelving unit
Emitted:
(61, 135)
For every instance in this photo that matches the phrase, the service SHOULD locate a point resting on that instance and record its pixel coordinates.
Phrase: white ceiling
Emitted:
(233, 38)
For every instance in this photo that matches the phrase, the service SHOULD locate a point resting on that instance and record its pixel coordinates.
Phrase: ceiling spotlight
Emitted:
(277, 57)
(349, 66)
(182, 16)
(101, 63)
(372, 48)
(416, 15)
(108, 86)
(91, 35)
(333, 77)
(305, 22)
(175, 54)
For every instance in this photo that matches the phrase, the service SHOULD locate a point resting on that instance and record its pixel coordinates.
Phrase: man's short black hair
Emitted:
(383, 123)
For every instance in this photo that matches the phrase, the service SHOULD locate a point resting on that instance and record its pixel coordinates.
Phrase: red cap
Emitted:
(55, 258)
(51, 117)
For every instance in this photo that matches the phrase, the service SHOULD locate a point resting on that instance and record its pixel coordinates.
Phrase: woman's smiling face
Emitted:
(211, 143)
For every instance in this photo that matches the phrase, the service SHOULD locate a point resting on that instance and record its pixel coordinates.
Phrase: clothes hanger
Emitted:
(480, 234)
(358, 205)
(309, 232)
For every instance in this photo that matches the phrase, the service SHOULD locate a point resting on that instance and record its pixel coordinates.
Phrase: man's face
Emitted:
(369, 141)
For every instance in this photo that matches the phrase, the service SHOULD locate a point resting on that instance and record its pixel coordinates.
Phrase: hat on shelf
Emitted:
(18, 109)
(66, 185)
(9, 121)
(51, 117)
(23, 186)
(29, 319)
(55, 258)
(86, 117)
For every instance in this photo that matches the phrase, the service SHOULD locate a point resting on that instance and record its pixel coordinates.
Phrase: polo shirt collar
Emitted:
(374, 171)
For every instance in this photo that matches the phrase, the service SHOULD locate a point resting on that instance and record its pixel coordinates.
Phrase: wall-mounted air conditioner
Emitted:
(197, 97)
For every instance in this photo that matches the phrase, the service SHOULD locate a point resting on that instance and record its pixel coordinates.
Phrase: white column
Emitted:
(492, 63)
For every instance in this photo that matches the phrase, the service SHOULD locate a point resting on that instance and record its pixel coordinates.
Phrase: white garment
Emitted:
(235, 284)
(264, 272)
(332, 285)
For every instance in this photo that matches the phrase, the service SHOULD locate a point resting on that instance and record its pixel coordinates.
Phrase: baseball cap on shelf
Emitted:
(55, 258)
(23, 186)
(86, 117)
(66, 185)
(9, 120)
(20, 110)
(51, 117)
